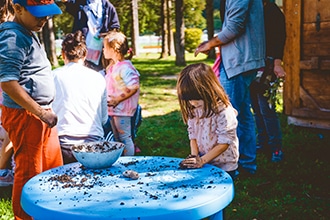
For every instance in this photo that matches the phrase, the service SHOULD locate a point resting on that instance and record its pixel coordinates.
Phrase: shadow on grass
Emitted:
(164, 135)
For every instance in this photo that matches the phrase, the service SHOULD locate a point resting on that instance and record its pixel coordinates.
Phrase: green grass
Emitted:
(297, 188)
(5, 204)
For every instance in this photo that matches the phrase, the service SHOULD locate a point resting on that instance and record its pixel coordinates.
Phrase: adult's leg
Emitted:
(238, 90)
(262, 137)
(271, 122)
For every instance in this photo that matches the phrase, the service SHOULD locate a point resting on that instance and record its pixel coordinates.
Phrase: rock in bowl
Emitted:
(98, 155)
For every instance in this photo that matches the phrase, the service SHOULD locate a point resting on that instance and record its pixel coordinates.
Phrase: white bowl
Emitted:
(98, 155)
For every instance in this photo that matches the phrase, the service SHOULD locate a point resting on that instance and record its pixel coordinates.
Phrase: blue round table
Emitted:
(162, 191)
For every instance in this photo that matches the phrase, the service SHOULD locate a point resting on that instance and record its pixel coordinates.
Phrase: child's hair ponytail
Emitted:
(129, 54)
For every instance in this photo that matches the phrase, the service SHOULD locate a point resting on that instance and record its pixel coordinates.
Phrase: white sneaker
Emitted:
(6, 178)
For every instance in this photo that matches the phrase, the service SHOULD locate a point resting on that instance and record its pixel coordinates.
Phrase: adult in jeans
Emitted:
(242, 44)
(268, 126)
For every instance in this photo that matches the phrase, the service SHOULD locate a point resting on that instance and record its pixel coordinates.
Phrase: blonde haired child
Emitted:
(122, 86)
(210, 117)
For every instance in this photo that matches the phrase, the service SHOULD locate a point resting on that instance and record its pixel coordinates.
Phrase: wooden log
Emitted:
(292, 11)
(309, 122)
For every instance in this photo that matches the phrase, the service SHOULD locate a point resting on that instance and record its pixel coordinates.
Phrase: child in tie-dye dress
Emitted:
(122, 86)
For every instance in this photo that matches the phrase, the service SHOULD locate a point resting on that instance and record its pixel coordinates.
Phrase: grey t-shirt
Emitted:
(23, 59)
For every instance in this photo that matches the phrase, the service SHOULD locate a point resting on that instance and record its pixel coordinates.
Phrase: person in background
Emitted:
(28, 92)
(211, 119)
(6, 151)
(94, 18)
(268, 125)
(123, 88)
(242, 44)
(81, 98)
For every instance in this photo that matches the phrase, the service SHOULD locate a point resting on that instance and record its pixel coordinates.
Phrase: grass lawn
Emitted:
(297, 188)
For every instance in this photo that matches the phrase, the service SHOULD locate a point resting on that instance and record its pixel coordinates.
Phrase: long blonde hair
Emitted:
(198, 82)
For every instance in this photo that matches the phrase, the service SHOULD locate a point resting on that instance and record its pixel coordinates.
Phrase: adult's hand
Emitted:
(203, 48)
(206, 46)
(278, 69)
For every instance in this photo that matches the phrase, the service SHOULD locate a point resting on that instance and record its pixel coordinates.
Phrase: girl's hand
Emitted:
(112, 101)
(192, 161)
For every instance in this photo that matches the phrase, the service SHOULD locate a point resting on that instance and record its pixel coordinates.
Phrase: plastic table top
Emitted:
(162, 191)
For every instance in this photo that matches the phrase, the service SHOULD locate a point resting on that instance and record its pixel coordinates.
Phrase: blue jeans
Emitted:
(238, 90)
(121, 126)
(268, 125)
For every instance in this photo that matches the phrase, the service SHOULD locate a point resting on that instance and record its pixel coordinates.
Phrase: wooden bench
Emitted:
(152, 47)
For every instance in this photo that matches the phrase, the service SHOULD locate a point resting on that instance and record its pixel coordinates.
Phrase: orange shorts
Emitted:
(36, 149)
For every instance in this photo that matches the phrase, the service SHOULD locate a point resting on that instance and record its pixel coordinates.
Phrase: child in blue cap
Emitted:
(28, 92)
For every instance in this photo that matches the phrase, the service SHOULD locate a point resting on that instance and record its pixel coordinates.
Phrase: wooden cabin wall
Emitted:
(307, 63)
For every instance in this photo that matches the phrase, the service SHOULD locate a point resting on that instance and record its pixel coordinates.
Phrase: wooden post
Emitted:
(292, 10)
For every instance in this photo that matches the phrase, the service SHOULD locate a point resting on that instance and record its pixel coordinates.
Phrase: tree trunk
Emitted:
(210, 25)
(179, 34)
(170, 38)
(135, 27)
(163, 20)
(48, 40)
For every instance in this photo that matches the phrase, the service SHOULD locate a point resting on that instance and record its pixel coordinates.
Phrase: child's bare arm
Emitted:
(193, 147)
(19, 95)
(198, 162)
(128, 92)
(214, 152)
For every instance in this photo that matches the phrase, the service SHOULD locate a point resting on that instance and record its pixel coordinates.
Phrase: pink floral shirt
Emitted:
(216, 129)
(118, 77)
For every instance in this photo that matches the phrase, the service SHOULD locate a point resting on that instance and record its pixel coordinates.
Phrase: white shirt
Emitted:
(80, 101)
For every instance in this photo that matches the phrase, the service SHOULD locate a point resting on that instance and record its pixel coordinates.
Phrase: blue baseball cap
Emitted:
(40, 8)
